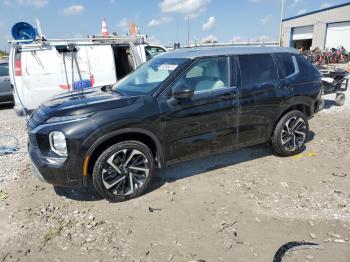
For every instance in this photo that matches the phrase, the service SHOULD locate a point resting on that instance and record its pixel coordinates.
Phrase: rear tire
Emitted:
(290, 134)
(123, 171)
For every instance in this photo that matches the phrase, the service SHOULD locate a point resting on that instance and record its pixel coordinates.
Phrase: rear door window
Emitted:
(257, 69)
(286, 62)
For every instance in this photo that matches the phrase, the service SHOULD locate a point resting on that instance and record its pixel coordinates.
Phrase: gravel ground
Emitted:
(237, 206)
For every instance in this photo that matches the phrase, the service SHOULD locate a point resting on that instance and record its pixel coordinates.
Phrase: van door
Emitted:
(136, 55)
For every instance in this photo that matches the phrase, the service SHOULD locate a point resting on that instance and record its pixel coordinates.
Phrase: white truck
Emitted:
(45, 68)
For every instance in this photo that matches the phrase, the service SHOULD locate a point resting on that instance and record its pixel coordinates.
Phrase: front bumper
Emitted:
(50, 170)
(36, 173)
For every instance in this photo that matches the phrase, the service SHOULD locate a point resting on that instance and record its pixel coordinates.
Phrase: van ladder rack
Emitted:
(111, 40)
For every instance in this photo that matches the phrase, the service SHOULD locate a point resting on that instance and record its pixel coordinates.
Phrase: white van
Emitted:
(39, 71)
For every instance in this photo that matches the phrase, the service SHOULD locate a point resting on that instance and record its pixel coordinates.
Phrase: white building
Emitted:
(325, 28)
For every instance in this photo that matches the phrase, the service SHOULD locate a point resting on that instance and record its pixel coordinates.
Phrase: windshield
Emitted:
(148, 76)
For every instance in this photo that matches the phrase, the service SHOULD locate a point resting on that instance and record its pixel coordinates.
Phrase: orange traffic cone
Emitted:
(133, 29)
(104, 28)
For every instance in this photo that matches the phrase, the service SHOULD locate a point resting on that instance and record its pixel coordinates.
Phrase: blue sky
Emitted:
(162, 20)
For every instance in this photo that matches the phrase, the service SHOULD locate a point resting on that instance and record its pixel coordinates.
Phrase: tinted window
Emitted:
(257, 69)
(286, 64)
(4, 70)
(305, 67)
(206, 74)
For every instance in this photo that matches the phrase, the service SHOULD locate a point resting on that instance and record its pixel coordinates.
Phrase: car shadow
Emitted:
(184, 170)
(6, 106)
(214, 162)
(328, 104)
(78, 194)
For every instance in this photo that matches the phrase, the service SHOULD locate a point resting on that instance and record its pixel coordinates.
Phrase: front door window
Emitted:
(209, 74)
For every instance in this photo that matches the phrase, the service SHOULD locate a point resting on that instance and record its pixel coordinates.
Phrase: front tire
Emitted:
(290, 134)
(123, 171)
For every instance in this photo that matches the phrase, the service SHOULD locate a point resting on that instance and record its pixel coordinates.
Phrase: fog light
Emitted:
(58, 143)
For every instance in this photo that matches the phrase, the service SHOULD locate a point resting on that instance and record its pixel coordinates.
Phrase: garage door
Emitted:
(303, 33)
(338, 34)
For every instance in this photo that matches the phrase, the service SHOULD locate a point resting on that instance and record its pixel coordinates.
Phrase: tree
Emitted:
(3, 53)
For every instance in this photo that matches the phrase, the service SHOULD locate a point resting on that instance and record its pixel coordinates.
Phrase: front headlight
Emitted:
(68, 118)
(58, 143)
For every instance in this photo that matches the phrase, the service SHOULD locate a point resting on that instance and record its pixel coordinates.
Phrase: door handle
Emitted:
(228, 95)
(7, 79)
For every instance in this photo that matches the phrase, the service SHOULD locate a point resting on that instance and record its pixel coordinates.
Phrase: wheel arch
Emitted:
(136, 134)
(302, 106)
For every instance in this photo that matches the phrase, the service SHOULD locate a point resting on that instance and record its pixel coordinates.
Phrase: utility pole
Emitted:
(188, 31)
(281, 22)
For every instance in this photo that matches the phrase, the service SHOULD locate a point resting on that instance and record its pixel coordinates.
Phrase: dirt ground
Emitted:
(237, 206)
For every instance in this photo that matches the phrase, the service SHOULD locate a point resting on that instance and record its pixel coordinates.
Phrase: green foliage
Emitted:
(3, 53)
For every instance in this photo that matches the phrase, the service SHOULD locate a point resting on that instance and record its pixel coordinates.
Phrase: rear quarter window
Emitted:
(286, 64)
(306, 68)
(257, 69)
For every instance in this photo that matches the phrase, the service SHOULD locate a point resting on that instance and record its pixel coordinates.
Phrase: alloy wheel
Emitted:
(293, 134)
(125, 172)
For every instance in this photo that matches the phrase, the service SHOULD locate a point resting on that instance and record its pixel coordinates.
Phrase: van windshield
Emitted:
(148, 76)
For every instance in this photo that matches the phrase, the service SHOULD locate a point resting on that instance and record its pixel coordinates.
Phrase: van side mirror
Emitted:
(183, 92)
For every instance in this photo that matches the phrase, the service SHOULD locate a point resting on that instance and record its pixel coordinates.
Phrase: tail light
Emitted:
(18, 65)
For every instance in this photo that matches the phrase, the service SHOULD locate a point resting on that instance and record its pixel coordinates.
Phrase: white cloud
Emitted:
(209, 24)
(296, 2)
(191, 8)
(73, 10)
(157, 22)
(300, 12)
(266, 19)
(153, 23)
(36, 3)
(236, 39)
(325, 5)
(209, 39)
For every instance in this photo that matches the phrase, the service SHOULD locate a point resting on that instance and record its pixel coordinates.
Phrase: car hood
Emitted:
(78, 102)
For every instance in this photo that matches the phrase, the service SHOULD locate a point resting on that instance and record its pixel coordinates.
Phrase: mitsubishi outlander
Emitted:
(179, 105)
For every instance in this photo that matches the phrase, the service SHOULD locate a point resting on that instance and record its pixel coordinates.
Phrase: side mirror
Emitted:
(183, 92)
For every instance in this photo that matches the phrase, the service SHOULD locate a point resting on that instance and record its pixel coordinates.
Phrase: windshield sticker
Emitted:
(167, 67)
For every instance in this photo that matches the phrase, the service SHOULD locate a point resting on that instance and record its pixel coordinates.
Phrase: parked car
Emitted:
(43, 69)
(6, 96)
(177, 106)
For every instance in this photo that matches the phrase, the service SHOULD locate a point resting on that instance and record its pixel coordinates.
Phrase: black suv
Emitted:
(177, 106)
